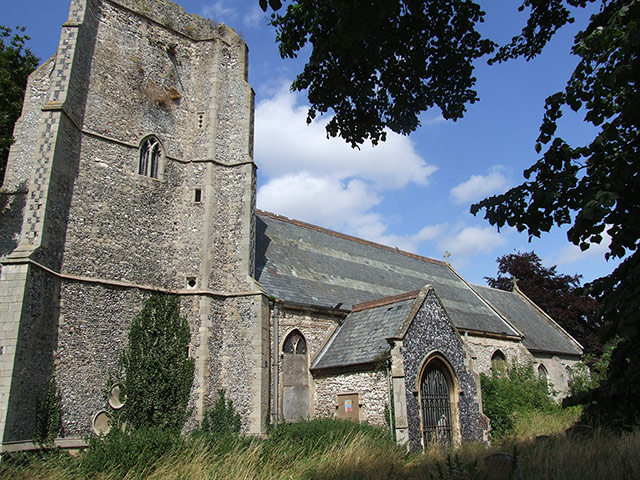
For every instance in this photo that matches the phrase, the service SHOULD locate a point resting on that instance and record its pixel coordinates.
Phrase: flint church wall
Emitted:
(432, 331)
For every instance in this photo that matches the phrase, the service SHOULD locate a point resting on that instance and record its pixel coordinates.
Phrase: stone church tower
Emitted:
(132, 173)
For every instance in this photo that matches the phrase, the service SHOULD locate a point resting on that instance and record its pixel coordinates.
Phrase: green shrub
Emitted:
(592, 370)
(158, 372)
(516, 392)
(120, 452)
(223, 418)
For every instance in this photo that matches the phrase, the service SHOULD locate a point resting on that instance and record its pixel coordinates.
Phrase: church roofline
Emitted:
(348, 237)
(379, 302)
(308, 307)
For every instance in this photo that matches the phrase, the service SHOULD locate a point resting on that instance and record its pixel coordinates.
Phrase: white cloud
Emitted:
(571, 253)
(343, 207)
(316, 199)
(285, 143)
(326, 182)
(219, 12)
(479, 186)
(469, 241)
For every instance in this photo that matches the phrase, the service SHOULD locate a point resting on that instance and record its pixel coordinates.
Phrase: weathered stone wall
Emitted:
(35, 339)
(126, 69)
(13, 192)
(371, 387)
(238, 358)
(94, 327)
(26, 128)
(483, 348)
(556, 366)
(432, 331)
(188, 94)
(316, 328)
(29, 310)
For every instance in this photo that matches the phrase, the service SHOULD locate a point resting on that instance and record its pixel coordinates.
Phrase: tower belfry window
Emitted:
(150, 157)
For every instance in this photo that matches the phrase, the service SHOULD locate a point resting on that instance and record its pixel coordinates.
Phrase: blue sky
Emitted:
(410, 192)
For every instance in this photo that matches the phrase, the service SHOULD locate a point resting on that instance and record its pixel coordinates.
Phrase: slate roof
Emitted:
(540, 333)
(361, 338)
(302, 263)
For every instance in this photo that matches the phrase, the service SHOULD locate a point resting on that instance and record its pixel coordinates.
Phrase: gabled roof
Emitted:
(302, 263)
(361, 338)
(541, 333)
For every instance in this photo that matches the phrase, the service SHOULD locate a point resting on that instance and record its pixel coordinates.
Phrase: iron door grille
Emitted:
(436, 408)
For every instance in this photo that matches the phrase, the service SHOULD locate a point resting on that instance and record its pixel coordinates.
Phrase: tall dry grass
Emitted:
(358, 455)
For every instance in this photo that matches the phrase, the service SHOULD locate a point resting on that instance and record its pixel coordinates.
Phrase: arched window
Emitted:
(498, 363)
(150, 157)
(543, 374)
(569, 374)
(295, 344)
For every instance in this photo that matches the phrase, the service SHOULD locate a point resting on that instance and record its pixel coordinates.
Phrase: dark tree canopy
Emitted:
(16, 63)
(595, 188)
(559, 295)
(378, 64)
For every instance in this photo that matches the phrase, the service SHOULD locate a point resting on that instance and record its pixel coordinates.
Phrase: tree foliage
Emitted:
(378, 64)
(559, 295)
(158, 372)
(592, 370)
(16, 63)
(595, 188)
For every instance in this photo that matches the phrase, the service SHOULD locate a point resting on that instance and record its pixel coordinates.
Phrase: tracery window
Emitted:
(295, 344)
(150, 157)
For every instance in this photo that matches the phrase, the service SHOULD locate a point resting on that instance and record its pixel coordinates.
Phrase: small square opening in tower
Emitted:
(192, 282)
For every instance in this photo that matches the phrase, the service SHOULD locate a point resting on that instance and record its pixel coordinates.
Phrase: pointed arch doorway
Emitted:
(295, 377)
(438, 411)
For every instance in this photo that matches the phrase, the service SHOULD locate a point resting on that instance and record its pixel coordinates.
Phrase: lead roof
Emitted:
(540, 332)
(362, 337)
(302, 263)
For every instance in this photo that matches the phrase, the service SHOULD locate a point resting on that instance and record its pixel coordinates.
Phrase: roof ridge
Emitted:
(490, 287)
(348, 237)
(384, 301)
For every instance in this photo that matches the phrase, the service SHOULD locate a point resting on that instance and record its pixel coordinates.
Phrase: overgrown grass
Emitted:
(529, 424)
(331, 449)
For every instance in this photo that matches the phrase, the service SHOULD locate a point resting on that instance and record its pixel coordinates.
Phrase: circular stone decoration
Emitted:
(101, 423)
(116, 399)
